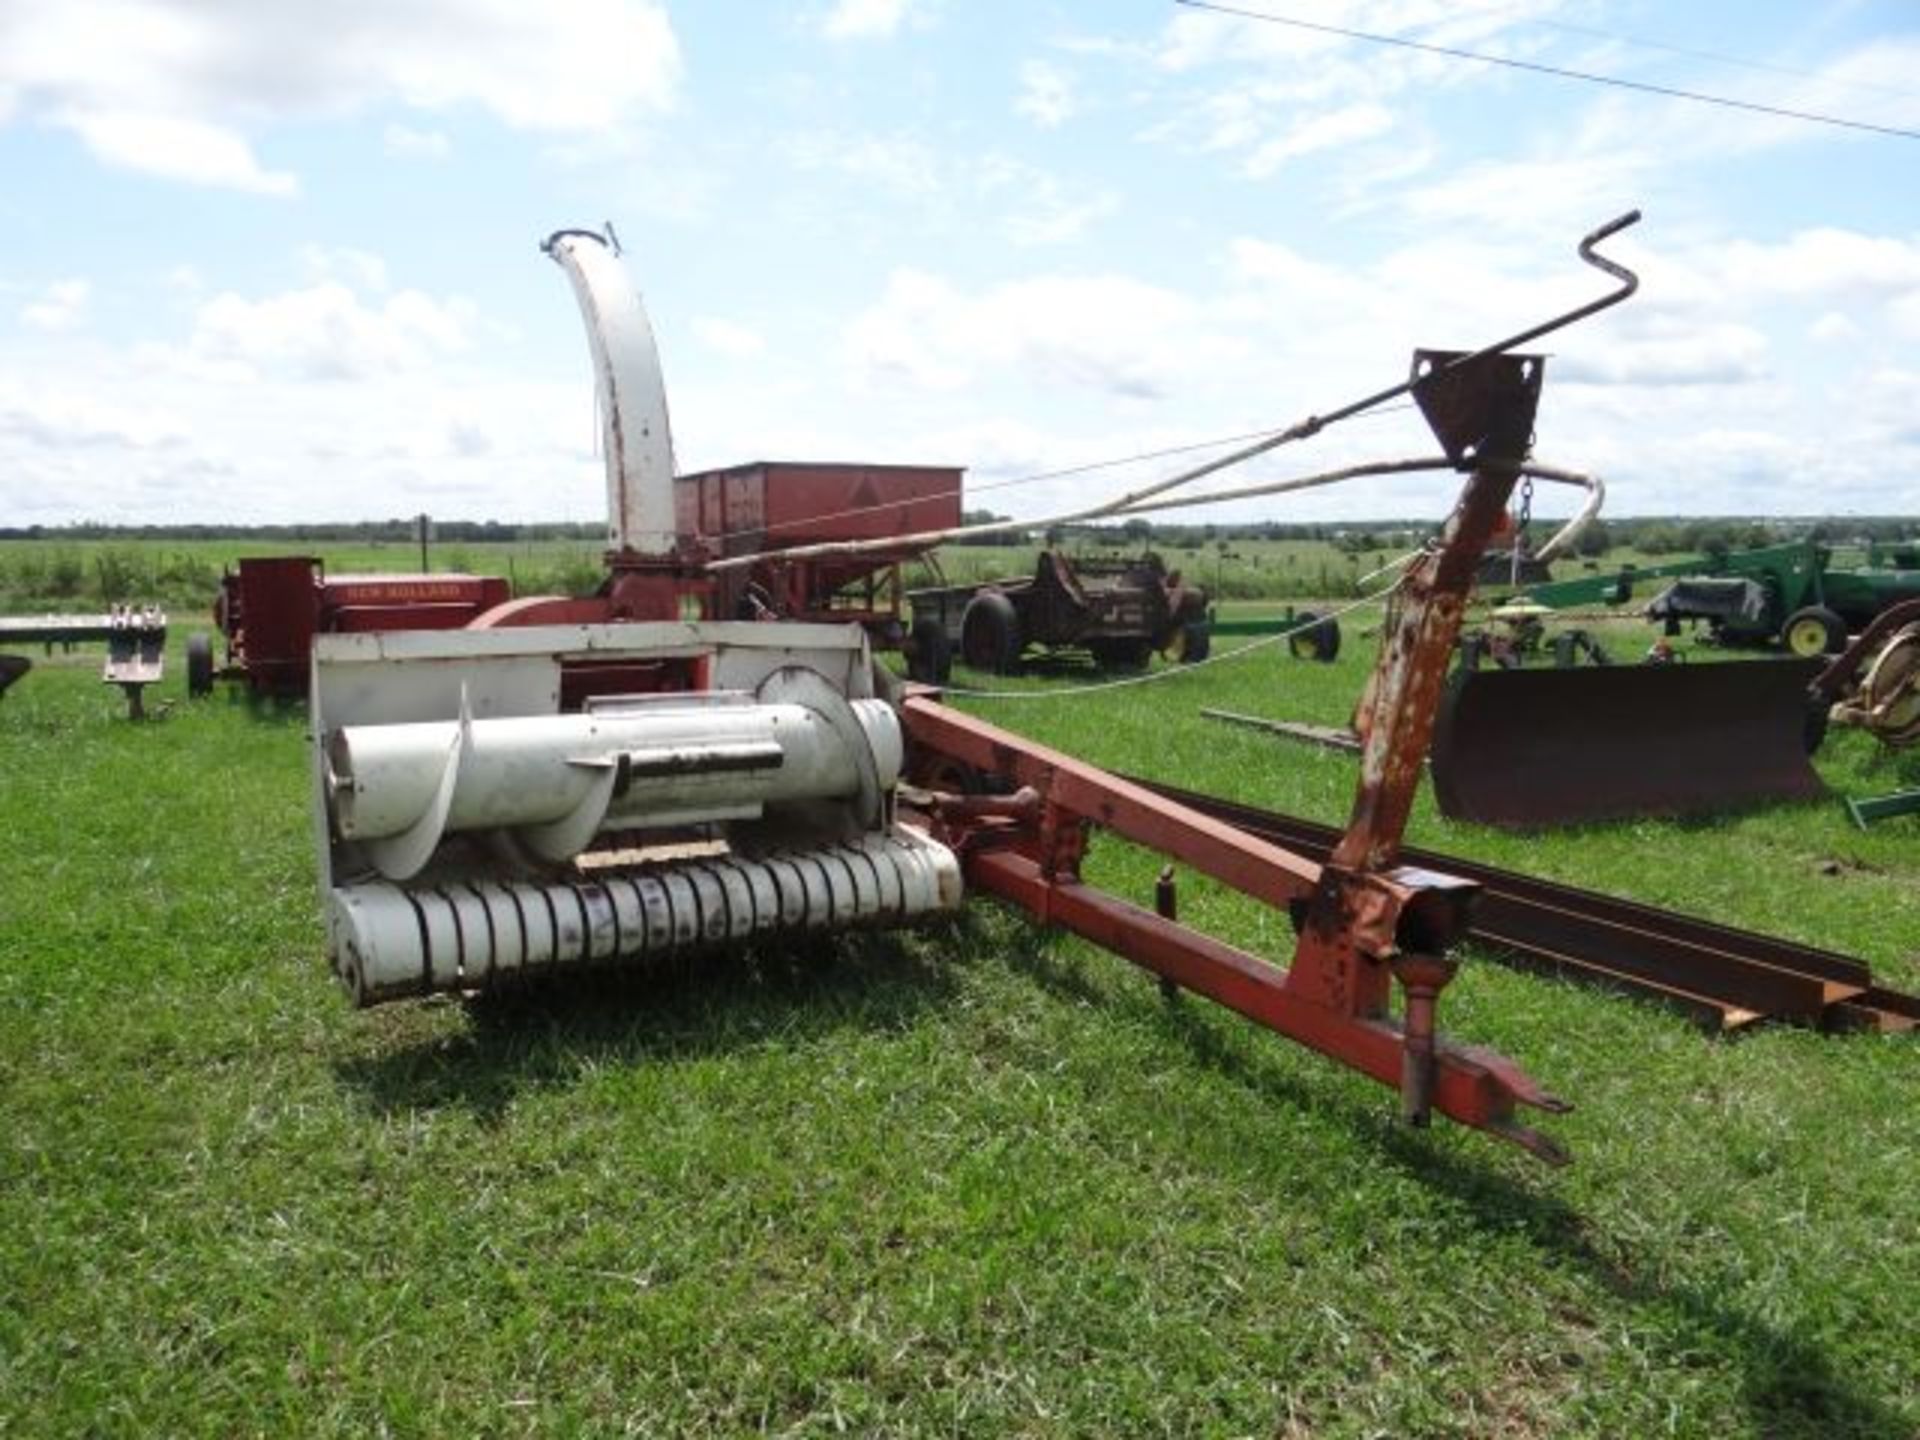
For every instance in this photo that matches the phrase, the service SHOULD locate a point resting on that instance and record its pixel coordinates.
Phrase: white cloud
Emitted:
(1831, 327)
(1694, 354)
(62, 419)
(1046, 95)
(1824, 262)
(175, 147)
(325, 332)
(359, 268)
(1105, 333)
(177, 90)
(864, 19)
(1039, 207)
(902, 165)
(63, 307)
(728, 337)
(1327, 131)
(410, 144)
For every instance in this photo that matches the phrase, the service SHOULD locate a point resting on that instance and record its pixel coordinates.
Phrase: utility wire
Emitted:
(1715, 57)
(1562, 72)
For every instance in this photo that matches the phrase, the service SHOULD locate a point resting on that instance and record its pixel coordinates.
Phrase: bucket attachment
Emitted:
(1531, 748)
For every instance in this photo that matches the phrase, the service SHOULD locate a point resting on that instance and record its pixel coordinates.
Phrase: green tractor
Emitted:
(1792, 594)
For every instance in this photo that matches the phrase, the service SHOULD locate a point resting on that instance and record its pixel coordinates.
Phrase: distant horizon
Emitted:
(297, 528)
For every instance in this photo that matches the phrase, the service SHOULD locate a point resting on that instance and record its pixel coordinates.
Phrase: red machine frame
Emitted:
(1363, 919)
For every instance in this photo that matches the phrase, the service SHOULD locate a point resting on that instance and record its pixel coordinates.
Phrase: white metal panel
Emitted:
(636, 437)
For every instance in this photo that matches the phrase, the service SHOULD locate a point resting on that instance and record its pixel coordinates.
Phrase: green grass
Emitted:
(973, 1181)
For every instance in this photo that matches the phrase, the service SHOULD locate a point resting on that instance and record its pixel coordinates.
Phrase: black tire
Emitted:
(1815, 630)
(1120, 654)
(1314, 638)
(929, 652)
(990, 633)
(1196, 642)
(199, 665)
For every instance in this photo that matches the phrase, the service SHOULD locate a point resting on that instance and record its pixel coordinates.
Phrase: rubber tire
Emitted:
(1814, 625)
(1120, 654)
(1316, 639)
(199, 665)
(929, 652)
(990, 633)
(1196, 642)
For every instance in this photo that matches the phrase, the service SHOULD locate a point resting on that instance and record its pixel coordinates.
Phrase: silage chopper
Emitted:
(602, 781)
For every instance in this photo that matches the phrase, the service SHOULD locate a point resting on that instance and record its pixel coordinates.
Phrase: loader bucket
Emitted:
(1526, 749)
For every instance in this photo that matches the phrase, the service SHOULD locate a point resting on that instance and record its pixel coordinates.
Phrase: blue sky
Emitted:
(276, 261)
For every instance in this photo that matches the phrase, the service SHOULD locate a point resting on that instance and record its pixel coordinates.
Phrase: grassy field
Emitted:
(973, 1181)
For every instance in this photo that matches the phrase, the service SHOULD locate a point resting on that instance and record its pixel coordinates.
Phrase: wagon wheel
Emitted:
(990, 633)
(1890, 693)
(929, 652)
(1189, 644)
(1314, 638)
(199, 665)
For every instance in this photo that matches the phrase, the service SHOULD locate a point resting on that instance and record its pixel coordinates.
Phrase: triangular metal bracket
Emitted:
(1481, 407)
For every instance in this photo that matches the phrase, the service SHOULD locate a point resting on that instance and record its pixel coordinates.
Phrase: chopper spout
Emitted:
(635, 435)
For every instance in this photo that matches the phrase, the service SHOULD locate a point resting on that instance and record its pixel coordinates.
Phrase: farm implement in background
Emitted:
(1528, 748)
(585, 782)
(1119, 611)
(136, 637)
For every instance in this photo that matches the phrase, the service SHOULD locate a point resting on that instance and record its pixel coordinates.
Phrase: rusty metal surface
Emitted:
(1481, 408)
(1723, 977)
(1362, 920)
(1526, 749)
(1357, 928)
(1833, 681)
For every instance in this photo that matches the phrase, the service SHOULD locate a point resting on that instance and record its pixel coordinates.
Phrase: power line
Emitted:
(1716, 57)
(1561, 72)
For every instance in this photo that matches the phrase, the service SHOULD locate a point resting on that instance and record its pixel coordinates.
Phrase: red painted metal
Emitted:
(1473, 1087)
(1362, 919)
(272, 607)
(769, 505)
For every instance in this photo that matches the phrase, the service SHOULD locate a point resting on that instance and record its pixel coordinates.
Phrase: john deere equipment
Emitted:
(1793, 593)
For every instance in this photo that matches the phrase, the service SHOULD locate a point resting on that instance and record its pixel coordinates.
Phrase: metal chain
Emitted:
(1520, 523)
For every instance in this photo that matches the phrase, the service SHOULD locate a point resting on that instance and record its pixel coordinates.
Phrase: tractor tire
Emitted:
(1314, 638)
(1815, 630)
(990, 634)
(929, 652)
(199, 665)
(1120, 654)
(1192, 643)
